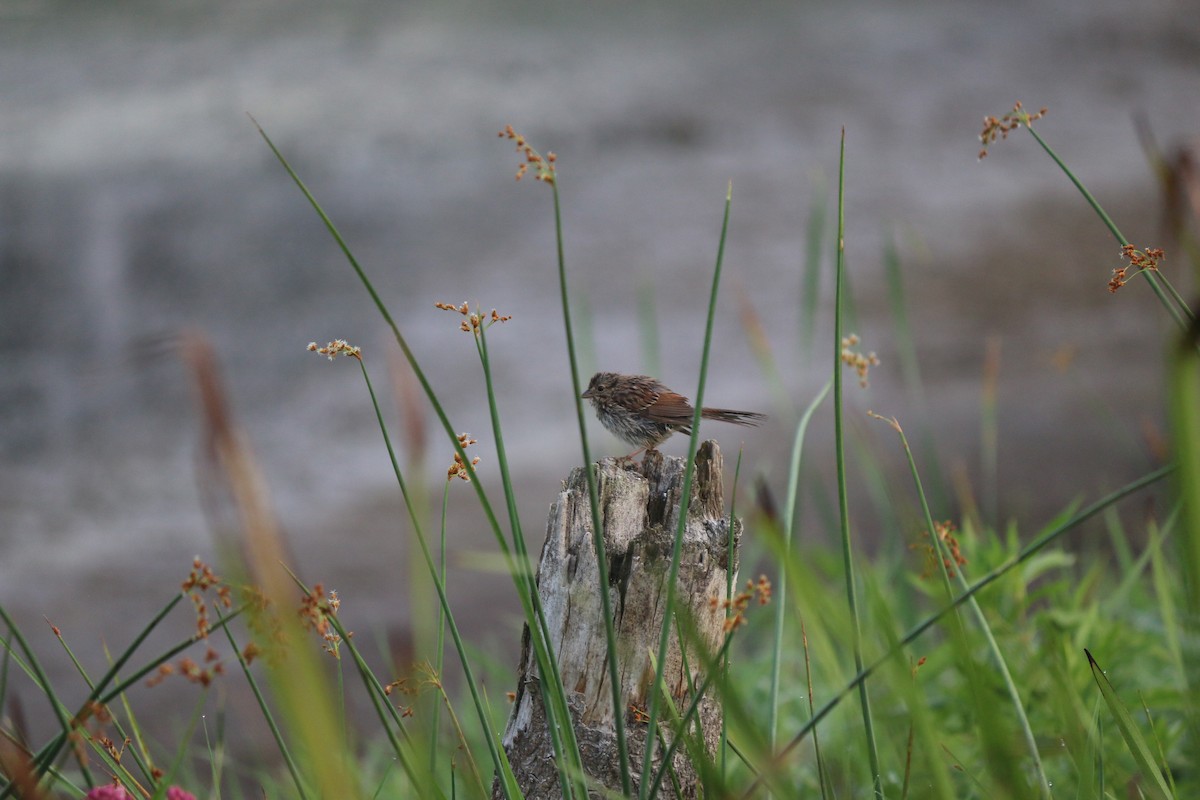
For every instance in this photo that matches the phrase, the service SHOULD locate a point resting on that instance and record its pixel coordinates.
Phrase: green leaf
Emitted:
(1155, 785)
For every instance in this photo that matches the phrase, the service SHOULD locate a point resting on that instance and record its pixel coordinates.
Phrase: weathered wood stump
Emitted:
(639, 512)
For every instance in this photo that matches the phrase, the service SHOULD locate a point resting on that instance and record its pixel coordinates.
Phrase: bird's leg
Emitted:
(645, 451)
(629, 458)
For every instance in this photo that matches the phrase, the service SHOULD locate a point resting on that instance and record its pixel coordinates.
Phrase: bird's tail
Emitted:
(736, 417)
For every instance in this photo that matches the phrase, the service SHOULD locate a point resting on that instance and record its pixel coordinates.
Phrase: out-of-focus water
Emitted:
(136, 200)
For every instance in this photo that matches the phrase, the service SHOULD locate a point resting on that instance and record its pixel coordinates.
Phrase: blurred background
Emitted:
(137, 201)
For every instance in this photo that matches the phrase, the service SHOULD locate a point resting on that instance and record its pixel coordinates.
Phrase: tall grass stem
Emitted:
(1175, 306)
(684, 504)
(606, 611)
(843, 500)
(945, 559)
(789, 529)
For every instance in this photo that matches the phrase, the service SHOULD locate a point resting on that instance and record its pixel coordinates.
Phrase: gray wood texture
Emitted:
(639, 510)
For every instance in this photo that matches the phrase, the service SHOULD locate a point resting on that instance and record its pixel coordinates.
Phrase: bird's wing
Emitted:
(670, 408)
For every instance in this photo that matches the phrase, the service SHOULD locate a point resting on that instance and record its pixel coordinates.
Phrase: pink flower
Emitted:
(109, 792)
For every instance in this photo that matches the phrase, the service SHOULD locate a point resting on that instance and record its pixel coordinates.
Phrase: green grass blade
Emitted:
(1155, 786)
(1184, 403)
(684, 501)
(910, 364)
(1087, 767)
(378, 696)
(40, 764)
(439, 586)
(276, 734)
(47, 755)
(1161, 576)
(440, 649)
(731, 705)
(1177, 309)
(1162, 756)
(1026, 552)
(1185, 419)
(944, 557)
(606, 611)
(923, 731)
(140, 751)
(562, 737)
(101, 693)
(215, 749)
(843, 500)
(789, 527)
(181, 752)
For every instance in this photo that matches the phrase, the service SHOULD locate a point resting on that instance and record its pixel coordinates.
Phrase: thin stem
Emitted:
(944, 559)
(610, 633)
(439, 652)
(684, 504)
(268, 717)
(562, 737)
(468, 674)
(1156, 280)
(843, 500)
(789, 526)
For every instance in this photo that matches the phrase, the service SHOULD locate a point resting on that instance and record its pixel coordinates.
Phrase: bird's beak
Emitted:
(586, 394)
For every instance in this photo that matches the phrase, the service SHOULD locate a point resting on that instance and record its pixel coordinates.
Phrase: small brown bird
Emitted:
(641, 411)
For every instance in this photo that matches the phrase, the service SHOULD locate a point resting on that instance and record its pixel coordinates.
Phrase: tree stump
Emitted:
(639, 512)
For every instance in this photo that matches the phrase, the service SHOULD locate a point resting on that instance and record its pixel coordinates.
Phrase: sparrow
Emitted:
(643, 412)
